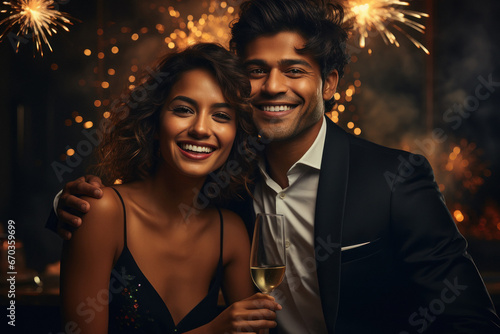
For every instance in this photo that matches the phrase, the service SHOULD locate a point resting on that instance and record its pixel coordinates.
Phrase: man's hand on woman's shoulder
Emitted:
(71, 207)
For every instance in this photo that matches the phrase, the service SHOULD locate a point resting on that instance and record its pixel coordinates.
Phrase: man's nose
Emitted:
(275, 83)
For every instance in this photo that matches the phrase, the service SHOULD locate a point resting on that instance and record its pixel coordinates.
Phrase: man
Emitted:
(371, 247)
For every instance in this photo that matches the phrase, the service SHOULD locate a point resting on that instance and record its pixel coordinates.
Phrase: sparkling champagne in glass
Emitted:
(267, 257)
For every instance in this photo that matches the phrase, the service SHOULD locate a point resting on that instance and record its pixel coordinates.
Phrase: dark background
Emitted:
(404, 95)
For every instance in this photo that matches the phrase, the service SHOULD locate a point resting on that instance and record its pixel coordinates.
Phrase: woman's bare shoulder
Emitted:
(105, 213)
(100, 234)
(232, 220)
(235, 232)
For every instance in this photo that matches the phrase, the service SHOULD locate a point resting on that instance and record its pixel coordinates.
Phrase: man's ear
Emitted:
(330, 85)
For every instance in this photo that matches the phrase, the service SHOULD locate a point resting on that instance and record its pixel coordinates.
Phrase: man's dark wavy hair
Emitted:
(129, 148)
(319, 22)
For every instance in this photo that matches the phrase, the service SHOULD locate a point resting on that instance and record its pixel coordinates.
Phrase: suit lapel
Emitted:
(329, 215)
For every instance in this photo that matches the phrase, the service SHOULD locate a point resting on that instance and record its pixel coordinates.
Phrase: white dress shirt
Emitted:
(299, 293)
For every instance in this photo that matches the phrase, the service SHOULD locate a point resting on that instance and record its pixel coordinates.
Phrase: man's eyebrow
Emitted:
(258, 62)
(282, 62)
(290, 62)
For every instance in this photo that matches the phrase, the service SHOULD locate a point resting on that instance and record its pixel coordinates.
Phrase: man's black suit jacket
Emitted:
(389, 256)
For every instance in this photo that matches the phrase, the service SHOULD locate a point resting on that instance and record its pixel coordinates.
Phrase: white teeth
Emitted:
(195, 148)
(277, 108)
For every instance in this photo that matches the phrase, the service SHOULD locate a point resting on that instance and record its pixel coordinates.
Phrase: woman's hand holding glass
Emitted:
(255, 314)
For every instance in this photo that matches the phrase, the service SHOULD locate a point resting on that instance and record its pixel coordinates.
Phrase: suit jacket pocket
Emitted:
(364, 250)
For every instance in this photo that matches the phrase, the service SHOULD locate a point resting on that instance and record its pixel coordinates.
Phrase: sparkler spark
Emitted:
(368, 15)
(37, 19)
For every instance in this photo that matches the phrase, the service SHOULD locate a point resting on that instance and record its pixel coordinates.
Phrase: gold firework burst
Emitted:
(37, 19)
(211, 27)
(376, 15)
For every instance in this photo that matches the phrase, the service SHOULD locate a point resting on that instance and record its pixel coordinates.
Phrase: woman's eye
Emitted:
(182, 110)
(222, 116)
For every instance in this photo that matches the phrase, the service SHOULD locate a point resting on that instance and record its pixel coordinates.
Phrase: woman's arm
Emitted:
(248, 311)
(86, 264)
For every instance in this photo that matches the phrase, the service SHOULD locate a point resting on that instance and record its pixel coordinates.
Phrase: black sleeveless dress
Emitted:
(136, 307)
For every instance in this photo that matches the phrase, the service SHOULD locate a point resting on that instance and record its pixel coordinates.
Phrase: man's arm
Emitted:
(68, 209)
(434, 257)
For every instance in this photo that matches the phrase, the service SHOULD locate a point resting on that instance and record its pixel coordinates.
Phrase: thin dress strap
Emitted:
(221, 233)
(124, 218)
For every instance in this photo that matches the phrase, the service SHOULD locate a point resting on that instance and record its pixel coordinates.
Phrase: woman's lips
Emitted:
(196, 151)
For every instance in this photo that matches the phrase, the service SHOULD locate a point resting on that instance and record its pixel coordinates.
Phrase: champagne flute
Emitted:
(267, 257)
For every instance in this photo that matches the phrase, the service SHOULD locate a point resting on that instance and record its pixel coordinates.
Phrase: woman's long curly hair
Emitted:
(129, 150)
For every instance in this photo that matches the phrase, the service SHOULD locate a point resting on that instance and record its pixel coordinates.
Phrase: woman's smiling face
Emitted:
(197, 125)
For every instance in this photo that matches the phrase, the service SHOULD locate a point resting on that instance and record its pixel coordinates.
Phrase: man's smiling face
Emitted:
(287, 88)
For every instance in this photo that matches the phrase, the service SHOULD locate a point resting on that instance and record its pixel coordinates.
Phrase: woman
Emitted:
(155, 244)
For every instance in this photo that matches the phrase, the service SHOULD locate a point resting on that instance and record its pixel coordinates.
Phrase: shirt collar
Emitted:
(314, 154)
(311, 158)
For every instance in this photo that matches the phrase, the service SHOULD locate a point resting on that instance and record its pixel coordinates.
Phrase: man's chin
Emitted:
(273, 133)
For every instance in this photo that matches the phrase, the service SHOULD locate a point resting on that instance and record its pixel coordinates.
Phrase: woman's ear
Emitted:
(330, 85)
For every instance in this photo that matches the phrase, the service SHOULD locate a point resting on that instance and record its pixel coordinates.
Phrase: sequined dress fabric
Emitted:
(136, 307)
